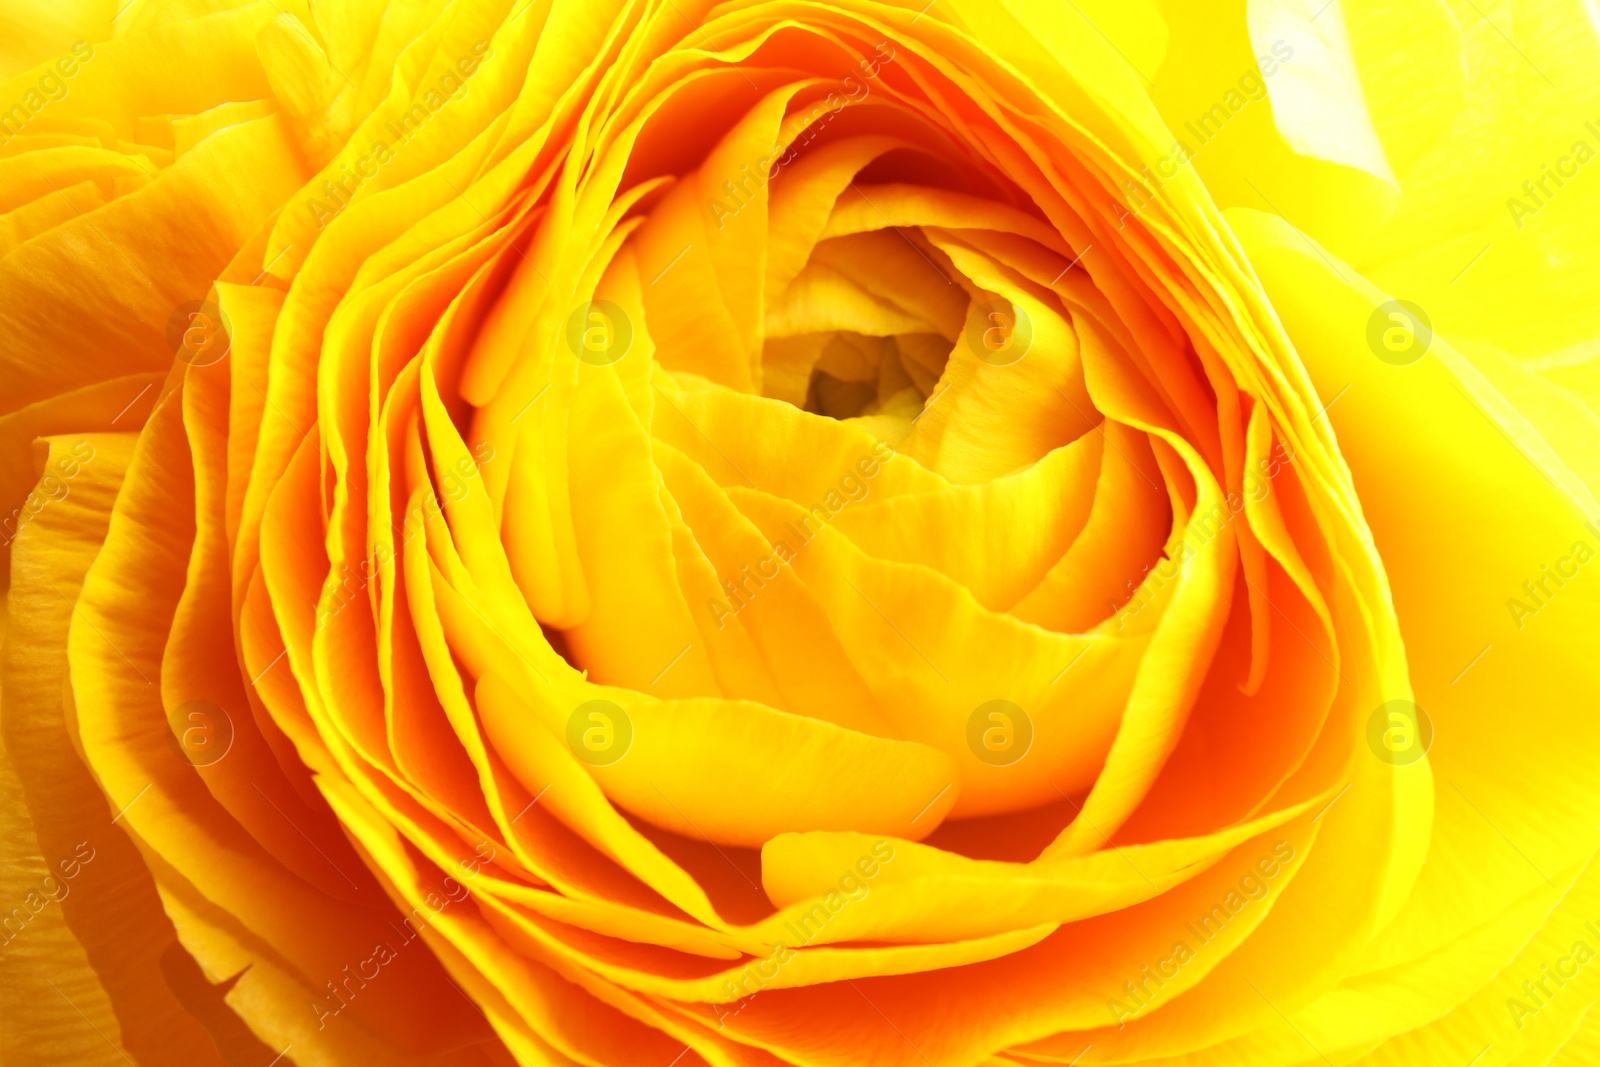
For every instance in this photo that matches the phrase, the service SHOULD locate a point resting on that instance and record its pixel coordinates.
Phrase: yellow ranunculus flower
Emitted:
(977, 532)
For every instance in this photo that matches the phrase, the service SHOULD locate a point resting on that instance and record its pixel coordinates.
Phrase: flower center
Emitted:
(866, 328)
